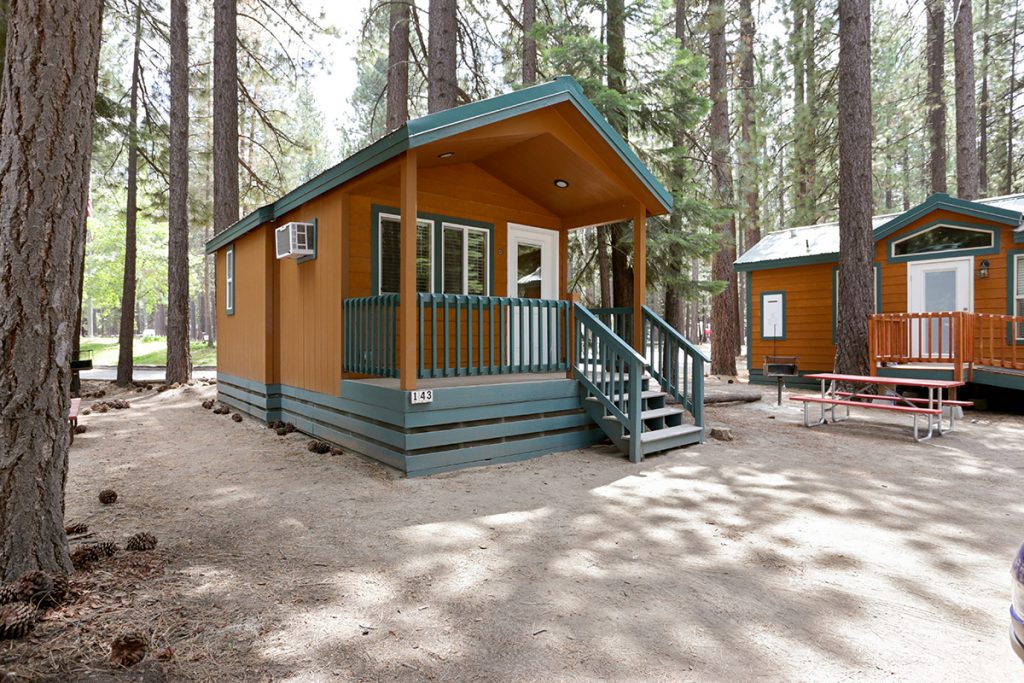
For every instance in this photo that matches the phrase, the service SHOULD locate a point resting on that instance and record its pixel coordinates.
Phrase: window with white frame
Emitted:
(1018, 291)
(229, 280)
(464, 259)
(943, 238)
(390, 255)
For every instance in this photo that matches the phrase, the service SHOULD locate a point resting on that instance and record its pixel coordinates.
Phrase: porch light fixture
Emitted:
(561, 183)
(983, 269)
(446, 155)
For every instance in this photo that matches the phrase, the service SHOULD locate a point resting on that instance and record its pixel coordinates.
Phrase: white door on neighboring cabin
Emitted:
(942, 285)
(532, 274)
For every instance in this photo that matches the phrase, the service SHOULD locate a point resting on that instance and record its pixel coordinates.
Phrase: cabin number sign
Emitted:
(421, 396)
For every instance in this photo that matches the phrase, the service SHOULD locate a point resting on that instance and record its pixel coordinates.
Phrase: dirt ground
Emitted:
(843, 552)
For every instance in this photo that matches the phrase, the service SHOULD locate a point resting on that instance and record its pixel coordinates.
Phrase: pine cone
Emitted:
(208, 403)
(321, 447)
(16, 620)
(84, 557)
(106, 548)
(7, 594)
(237, 417)
(80, 429)
(141, 541)
(128, 649)
(41, 588)
(275, 424)
(76, 528)
(108, 496)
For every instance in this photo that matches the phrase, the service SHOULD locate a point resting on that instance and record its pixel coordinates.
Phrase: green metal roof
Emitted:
(820, 243)
(443, 124)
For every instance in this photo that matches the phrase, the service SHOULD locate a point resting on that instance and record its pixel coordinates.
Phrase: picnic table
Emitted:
(833, 397)
(76, 404)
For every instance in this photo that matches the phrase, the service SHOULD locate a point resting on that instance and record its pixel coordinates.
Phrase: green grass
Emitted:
(146, 351)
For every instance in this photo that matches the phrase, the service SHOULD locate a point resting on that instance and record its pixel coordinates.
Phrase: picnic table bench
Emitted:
(76, 404)
(931, 407)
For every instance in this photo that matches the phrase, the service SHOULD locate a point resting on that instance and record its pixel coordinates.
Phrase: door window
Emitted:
(530, 273)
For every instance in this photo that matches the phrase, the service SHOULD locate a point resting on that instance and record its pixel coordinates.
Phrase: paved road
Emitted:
(148, 374)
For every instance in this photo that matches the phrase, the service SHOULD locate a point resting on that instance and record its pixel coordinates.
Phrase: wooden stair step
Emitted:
(652, 414)
(666, 433)
(614, 398)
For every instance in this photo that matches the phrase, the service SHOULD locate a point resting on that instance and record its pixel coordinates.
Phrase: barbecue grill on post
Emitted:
(781, 367)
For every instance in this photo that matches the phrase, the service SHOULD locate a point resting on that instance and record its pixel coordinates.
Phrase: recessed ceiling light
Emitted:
(445, 155)
(561, 183)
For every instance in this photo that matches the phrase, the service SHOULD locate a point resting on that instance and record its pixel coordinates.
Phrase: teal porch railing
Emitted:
(462, 335)
(619, 320)
(676, 364)
(459, 335)
(611, 372)
(370, 336)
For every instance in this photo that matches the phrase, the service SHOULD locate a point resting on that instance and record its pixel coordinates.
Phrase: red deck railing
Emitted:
(959, 338)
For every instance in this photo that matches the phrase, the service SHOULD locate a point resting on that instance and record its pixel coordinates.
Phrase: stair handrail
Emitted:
(695, 401)
(612, 349)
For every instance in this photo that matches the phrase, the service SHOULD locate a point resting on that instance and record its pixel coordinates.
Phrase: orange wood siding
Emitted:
(244, 338)
(808, 315)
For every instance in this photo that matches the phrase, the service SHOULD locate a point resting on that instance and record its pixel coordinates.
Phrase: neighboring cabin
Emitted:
(949, 282)
(412, 302)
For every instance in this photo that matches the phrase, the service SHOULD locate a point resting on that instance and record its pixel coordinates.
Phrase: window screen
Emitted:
(229, 280)
(1018, 277)
(391, 254)
(465, 253)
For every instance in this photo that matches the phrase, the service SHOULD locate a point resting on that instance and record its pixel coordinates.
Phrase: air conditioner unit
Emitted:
(294, 240)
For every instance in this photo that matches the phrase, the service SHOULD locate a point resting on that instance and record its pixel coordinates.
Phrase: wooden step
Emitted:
(652, 414)
(643, 396)
(665, 434)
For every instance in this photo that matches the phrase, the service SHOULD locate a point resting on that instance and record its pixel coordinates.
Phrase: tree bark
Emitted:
(966, 112)
(748, 131)
(442, 82)
(46, 118)
(725, 331)
(675, 307)
(225, 114)
(529, 44)
(398, 64)
(3, 35)
(984, 108)
(603, 266)
(1008, 176)
(622, 274)
(799, 184)
(856, 245)
(179, 360)
(935, 97)
(126, 334)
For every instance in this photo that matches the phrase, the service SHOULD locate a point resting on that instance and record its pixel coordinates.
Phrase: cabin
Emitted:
(948, 292)
(412, 303)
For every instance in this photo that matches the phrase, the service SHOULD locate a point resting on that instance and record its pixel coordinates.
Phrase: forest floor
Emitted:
(843, 552)
(146, 351)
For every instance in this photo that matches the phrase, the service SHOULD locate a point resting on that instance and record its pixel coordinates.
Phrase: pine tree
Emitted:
(966, 112)
(225, 114)
(179, 362)
(398, 64)
(442, 90)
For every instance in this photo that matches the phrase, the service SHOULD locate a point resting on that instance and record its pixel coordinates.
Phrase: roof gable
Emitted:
(440, 125)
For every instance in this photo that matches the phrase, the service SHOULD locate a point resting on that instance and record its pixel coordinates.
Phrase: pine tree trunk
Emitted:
(935, 97)
(966, 112)
(529, 44)
(46, 118)
(179, 360)
(398, 64)
(622, 274)
(126, 334)
(809, 134)
(724, 306)
(856, 245)
(983, 109)
(799, 183)
(1011, 98)
(225, 115)
(3, 35)
(442, 82)
(748, 161)
(603, 265)
(675, 307)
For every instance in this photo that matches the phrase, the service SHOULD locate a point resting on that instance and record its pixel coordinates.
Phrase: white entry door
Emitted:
(943, 285)
(532, 274)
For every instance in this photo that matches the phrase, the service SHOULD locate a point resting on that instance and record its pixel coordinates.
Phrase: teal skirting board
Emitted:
(464, 426)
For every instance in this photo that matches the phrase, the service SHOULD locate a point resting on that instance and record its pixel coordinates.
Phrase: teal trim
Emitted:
(835, 298)
(788, 262)
(437, 244)
(683, 381)
(440, 125)
(230, 268)
(944, 201)
(781, 337)
(1006, 380)
(1011, 289)
(916, 373)
(932, 256)
(315, 238)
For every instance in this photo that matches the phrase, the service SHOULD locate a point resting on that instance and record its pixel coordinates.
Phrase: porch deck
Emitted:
(466, 381)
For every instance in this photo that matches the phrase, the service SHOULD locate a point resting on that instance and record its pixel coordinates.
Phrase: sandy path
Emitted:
(838, 553)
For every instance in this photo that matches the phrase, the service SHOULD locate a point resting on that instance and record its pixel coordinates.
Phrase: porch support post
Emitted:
(563, 293)
(407, 277)
(639, 277)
